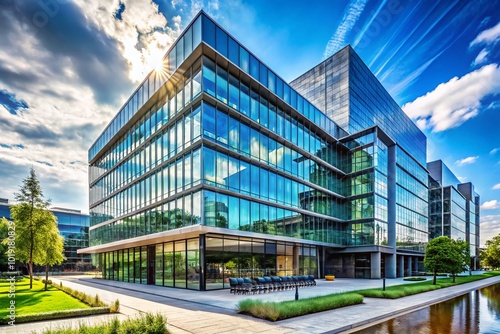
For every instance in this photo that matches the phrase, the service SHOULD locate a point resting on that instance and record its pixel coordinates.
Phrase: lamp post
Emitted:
(296, 292)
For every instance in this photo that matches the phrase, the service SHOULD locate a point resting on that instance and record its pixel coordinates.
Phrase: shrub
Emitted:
(49, 281)
(115, 306)
(82, 296)
(415, 279)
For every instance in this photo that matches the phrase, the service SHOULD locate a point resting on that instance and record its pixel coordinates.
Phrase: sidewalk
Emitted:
(215, 311)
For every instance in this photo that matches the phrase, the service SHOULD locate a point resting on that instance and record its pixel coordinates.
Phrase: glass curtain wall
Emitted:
(245, 257)
(177, 263)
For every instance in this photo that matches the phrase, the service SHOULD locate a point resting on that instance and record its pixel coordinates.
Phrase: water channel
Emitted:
(475, 312)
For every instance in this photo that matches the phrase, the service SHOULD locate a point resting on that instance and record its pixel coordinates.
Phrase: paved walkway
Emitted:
(214, 311)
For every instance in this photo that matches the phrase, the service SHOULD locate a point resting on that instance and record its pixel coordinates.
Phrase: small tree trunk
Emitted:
(31, 273)
(434, 280)
(46, 275)
(454, 277)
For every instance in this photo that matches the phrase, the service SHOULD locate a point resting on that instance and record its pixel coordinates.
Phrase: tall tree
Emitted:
(29, 219)
(440, 255)
(52, 245)
(490, 257)
(461, 259)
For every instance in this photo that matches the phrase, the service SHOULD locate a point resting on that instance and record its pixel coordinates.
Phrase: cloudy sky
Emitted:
(67, 66)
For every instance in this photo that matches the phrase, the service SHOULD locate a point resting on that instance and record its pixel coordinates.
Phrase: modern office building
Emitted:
(216, 168)
(74, 227)
(346, 90)
(454, 208)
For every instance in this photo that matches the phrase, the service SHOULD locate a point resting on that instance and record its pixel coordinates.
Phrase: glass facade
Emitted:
(454, 208)
(224, 170)
(345, 88)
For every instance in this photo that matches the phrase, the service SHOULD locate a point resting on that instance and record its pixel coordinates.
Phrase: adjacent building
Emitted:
(74, 227)
(454, 209)
(216, 167)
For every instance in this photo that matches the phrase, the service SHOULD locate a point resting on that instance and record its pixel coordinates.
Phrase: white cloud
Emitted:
(142, 34)
(490, 205)
(466, 161)
(452, 103)
(351, 16)
(495, 150)
(488, 36)
(489, 228)
(481, 57)
(496, 186)
(462, 179)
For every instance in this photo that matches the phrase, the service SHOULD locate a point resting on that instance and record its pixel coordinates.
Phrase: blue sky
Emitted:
(67, 66)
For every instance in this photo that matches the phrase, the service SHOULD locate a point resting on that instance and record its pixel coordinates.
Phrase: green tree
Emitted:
(490, 257)
(52, 245)
(29, 220)
(440, 255)
(461, 259)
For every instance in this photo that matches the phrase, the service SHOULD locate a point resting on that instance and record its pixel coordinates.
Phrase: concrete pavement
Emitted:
(215, 311)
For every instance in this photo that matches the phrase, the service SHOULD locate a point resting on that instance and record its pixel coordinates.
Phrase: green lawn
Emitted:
(36, 300)
(398, 291)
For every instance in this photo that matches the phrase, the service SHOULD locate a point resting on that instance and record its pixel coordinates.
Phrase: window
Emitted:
(233, 92)
(221, 41)
(209, 166)
(208, 31)
(234, 135)
(209, 76)
(208, 121)
(222, 84)
(222, 127)
(233, 51)
(244, 60)
(254, 67)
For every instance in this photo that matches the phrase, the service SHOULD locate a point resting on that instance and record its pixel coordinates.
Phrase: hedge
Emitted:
(57, 315)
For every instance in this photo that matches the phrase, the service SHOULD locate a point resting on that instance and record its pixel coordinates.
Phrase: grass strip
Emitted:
(274, 311)
(148, 323)
(403, 290)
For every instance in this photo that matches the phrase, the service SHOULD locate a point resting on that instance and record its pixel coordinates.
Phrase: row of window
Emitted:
(407, 181)
(235, 213)
(411, 220)
(177, 263)
(181, 174)
(239, 176)
(244, 257)
(249, 101)
(410, 201)
(178, 136)
(151, 121)
(369, 233)
(180, 212)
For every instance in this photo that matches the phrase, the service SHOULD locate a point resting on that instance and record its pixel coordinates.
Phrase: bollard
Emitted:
(296, 292)
(383, 287)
